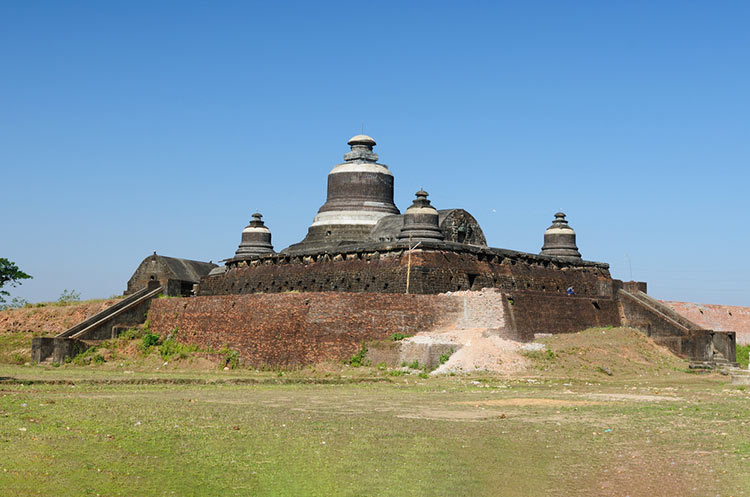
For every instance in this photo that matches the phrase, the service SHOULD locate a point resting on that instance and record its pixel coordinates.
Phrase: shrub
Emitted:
(149, 340)
(397, 337)
(359, 358)
(17, 358)
(231, 357)
(131, 334)
(546, 354)
(444, 357)
(414, 365)
(88, 356)
(171, 349)
(68, 297)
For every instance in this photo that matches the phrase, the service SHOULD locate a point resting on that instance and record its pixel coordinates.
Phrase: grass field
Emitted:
(89, 431)
(604, 412)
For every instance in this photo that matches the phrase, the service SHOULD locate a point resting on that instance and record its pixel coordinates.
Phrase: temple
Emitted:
(357, 242)
(365, 271)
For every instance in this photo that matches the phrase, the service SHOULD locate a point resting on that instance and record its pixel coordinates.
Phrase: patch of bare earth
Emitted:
(529, 401)
(50, 319)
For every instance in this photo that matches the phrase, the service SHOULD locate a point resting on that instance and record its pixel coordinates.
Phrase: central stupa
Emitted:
(360, 193)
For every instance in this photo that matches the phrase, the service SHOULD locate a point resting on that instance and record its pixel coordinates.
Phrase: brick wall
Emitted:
(432, 271)
(717, 317)
(291, 329)
(531, 313)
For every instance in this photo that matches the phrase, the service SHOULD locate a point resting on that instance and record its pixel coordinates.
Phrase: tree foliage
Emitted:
(11, 275)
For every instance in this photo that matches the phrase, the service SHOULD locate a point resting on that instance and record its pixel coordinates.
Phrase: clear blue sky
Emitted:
(128, 127)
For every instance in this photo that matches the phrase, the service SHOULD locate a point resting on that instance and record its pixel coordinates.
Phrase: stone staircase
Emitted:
(739, 376)
(130, 311)
(705, 348)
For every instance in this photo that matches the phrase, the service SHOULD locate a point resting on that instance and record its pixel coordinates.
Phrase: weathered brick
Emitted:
(292, 329)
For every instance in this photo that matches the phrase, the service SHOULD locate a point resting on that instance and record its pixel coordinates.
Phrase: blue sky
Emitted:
(129, 127)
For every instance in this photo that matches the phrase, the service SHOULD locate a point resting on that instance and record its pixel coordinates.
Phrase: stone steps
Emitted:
(425, 351)
(739, 376)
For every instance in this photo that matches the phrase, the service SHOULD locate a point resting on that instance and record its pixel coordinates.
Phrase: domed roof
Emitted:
(359, 194)
(256, 225)
(560, 224)
(421, 220)
(256, 239)
(560, 239)
(361, 140)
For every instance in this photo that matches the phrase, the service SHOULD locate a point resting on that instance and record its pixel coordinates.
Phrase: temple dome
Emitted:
(360, 193)
(560, 239)
(256, 239)
(421, 220)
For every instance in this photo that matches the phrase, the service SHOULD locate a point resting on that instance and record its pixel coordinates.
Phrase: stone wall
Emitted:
(529, 313)
(717, 317)
(293, 329)
(666, 327)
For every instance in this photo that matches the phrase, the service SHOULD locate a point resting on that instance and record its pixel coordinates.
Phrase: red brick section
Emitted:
(293, 329)
(717, 317)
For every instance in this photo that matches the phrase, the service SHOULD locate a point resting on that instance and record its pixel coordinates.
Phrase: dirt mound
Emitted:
(596, 351)
(477, 349)
(50, 319)
(604, 351)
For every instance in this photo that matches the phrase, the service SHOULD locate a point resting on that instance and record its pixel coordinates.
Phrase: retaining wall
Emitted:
(717, 317)
(528, 313)
(293, 329)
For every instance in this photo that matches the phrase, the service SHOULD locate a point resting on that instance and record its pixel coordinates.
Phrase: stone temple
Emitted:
(364, 270)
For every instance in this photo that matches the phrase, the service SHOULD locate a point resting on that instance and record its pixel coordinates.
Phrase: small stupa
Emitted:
(560, 239)
(256, 239)
(421, 221)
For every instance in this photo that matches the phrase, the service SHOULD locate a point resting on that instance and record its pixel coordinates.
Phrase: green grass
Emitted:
(15, 348)
(127, 427)
(463, 436)
(87, 357)
(742, 355)
(445, 357)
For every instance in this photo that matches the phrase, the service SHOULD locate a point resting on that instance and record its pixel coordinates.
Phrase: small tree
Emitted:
(69, 296)
(11, 275)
